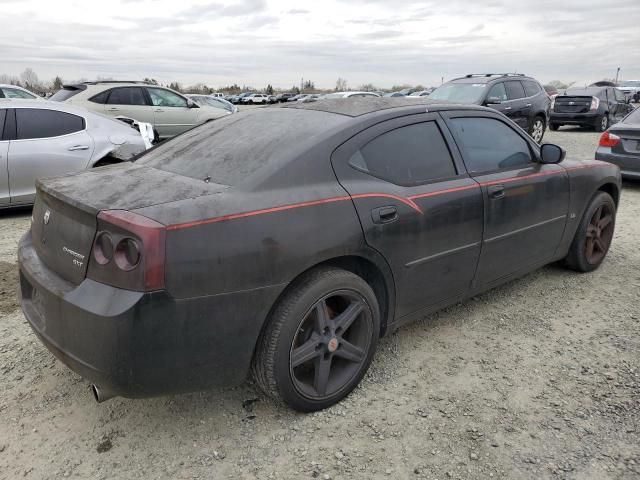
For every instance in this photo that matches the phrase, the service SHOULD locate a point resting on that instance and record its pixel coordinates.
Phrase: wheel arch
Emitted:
(612, 189)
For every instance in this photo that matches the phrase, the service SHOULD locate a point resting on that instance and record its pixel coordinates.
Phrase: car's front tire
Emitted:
(319, 340)
(594, 234)
(554, 126)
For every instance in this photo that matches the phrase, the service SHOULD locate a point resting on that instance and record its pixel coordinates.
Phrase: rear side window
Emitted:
(101, 97)
(15, 93)
(127, 96)
(66, 93)
(531, 88)
(514, 90)
(41, 123)
(408, 155)
(490, 145)
(633, 117)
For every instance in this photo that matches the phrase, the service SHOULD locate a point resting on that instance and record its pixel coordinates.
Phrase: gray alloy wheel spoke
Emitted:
(346, 318)
(591, 231)
(598, 244)
(350, 352)
(590, 245)
(321, 374)
(305, 352)
(597, 215)
(323, 319)
(604, 221)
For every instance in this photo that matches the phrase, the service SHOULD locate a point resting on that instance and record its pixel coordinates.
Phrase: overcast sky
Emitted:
(255, 42)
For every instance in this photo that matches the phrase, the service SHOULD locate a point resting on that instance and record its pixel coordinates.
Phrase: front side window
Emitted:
(514, 90)
(165, 98)
(42, 123)
(407, 156)
(497, 92)
(15, 93)
(619, 95)
(490, 145)
(126, 96)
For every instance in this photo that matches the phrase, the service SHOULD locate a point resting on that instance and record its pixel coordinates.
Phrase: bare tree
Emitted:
(341, 85)
(29, 79)
(367, 87)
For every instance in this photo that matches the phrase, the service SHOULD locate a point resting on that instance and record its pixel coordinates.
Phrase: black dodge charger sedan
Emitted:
(232, 249)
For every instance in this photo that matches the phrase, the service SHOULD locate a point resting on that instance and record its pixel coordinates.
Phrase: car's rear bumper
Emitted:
(137, 344)
(590, 119)
(629, 164)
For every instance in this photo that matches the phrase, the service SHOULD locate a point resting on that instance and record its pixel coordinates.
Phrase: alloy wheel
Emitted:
(599, 234)
(331, 344)
(538, 130)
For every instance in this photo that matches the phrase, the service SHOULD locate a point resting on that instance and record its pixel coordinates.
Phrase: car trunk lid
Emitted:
(66, 208)
(572, 104)
(629, 139)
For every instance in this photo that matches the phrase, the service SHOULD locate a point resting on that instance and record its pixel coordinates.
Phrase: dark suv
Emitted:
(596, 107)
(519, 97)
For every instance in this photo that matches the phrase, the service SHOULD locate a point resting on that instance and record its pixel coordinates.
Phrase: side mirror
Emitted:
(493, 101)
(192, 104)
(550, 153)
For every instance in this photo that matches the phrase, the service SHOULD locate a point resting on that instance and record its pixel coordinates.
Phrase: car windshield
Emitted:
(228, 150)
(460, 92)
(631, 83)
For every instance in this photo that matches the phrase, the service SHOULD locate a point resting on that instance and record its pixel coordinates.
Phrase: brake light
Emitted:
(595, 103)
(609, 140)
(128, 251)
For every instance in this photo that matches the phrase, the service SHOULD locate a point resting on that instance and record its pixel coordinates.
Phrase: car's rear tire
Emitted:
(537, 128)
(319, 340)
(594, 234)
(554, 126)
(603, 123)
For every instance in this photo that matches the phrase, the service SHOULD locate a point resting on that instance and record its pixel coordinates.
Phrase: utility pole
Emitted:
(617, 75)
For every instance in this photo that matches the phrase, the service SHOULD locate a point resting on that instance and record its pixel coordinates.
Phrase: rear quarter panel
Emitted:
(585, 178)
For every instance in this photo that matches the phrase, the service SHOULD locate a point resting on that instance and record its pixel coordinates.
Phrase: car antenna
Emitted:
(207, 179)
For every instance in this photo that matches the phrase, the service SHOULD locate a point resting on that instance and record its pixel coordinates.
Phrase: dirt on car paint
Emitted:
(537, 379)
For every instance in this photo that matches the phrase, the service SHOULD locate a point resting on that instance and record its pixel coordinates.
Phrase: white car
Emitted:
(170, 112)
(256, 98)
(13, 91)
(631, 89)
(46, 139)
(350, 95)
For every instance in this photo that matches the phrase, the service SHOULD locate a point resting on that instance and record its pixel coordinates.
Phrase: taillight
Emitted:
(595, 103)
(609, 140)
(128, 251)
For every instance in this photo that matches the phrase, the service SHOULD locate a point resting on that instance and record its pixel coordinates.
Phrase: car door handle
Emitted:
(158, 110)
(507, 108)
(78, 147)
(496, 192)
(113, 109)
(382, 215)
(528, 105)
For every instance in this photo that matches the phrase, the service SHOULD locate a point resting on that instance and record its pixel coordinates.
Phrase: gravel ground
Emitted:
(536, 379)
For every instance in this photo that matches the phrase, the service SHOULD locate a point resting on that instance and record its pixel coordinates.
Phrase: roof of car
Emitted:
(589, 90)
(357, 106)
(489, 77)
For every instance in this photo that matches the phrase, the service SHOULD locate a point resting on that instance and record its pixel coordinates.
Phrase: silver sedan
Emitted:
(45, 139)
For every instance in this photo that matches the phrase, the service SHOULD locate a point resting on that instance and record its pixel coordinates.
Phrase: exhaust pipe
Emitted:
(100, 394)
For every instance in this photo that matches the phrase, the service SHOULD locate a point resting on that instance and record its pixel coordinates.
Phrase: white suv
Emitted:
(256, 98)
(170, 112)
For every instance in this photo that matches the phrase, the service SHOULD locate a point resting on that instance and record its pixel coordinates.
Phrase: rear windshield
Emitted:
(66, 93)
(583, 92)
(633, 117)
(230, 149)
(460, 92)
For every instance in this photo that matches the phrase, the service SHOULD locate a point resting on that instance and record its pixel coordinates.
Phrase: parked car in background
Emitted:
(295, 98)
(239, 99)
(551, 90)
(272, 99)
(256, 98)
(631, 89)
(620, 145)
(13, 91)
(404, 208)
(421, 93)
(217, 95)
(283, 97)
(596, 107)
(216, 102)
(395, 94)
(170, 112)
(351, 95)
(314, 97)
(517, 96)
(45, 139)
